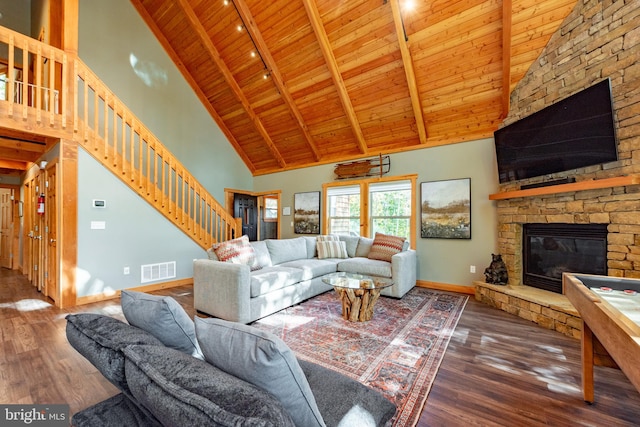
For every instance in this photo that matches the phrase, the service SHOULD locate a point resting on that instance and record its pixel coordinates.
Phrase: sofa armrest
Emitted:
(222, 289)
(403, 273)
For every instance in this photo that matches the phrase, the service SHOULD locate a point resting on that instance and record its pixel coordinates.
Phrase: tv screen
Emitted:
(576, 132)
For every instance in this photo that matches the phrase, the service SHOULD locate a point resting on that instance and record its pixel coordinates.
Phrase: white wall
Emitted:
(439, 260)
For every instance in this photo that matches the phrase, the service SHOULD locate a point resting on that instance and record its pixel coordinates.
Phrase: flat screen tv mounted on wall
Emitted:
(576, 132)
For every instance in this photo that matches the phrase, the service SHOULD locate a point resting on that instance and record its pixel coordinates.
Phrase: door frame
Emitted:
(229, 197)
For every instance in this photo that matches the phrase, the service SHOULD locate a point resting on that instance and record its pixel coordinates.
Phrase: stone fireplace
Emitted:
(597, 40)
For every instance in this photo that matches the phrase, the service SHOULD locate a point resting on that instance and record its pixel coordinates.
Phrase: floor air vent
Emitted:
(160, 271)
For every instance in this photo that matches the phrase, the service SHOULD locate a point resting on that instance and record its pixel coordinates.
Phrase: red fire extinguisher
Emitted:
(40, 209)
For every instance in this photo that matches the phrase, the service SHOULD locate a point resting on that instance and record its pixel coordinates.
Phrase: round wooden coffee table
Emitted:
(357, 292)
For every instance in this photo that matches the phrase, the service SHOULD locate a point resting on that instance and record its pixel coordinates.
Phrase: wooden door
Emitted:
(246, 207)
(51, 234)
(33, 232)
(27, 229)
(6, 227)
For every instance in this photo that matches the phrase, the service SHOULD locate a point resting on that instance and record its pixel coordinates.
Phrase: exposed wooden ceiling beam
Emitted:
(196, 88)
(20, 155)
(507, 12)
(17, 144)
(12, 164)
(195, 23)
(409, 71)
(275, 74)
(330, 59)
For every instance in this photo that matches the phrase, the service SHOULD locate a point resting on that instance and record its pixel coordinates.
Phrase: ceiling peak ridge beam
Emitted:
(146, 17)
(507, 14)
(323, 40)
(274, 72)
(228, 76)
(407, 62)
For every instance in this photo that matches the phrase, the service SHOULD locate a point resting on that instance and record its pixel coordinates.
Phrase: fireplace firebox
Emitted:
(548, 250)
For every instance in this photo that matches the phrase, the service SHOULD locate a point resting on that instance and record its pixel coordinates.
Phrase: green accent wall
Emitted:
(439, 260)
(120, 49)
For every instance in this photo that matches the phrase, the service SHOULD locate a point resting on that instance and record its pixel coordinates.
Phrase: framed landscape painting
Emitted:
(445, 209)
(306, 213)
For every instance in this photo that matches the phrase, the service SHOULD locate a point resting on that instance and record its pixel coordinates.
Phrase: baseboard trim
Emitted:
(147, 288)
(470, 290)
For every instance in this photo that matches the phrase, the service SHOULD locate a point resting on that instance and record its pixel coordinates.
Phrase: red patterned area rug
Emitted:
(398, 352)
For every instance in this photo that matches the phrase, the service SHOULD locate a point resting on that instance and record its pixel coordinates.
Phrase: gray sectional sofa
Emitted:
(173, 372)
(290, 272)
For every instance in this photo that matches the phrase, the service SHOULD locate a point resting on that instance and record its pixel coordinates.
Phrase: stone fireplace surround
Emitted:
(615, 206)
(597, 40)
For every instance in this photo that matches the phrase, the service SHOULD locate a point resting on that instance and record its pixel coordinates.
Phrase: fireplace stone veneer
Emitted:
(616, 207)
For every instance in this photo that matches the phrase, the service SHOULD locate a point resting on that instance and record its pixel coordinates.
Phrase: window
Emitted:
(369, 206)
(390, 208)
(270, 209)
(344, 210)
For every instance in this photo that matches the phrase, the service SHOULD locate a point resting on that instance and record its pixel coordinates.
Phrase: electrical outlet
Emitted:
(472, 269)
(125, 271)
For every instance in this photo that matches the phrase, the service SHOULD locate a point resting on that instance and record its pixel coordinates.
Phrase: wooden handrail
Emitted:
(57, 89)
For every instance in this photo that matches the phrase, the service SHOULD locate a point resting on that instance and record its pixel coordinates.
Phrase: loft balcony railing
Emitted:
(51, 92)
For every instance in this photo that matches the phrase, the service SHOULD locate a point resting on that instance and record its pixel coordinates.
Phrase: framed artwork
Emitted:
(306, 213)
(445, 209)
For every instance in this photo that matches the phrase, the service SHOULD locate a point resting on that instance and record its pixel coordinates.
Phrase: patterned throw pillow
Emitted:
(385, 246)
(332, 249)
(237, 251)
(328, 238)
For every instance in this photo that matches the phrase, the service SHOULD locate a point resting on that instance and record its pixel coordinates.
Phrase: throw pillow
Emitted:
(262, 359)
(237, 251)
(330, 249)
(183, 391)
(328, 238)
(163, 318)
(101, 340)
(385, 246)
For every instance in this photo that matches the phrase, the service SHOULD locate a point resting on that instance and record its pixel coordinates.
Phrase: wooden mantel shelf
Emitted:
(566, 188)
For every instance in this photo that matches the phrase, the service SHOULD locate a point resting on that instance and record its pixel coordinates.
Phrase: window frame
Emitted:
(364, 185)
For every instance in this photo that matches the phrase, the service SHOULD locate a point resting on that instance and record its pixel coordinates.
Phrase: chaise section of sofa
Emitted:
(287, 272)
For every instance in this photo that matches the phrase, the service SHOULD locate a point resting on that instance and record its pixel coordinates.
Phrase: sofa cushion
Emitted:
(385, 246)
(351, 242)
(237, 251)
(330, 249)
(263, 259)
(272, 278)
(372, 267)
(101, 339)
(163, 318)
(364, 407)
(312, 268)
(287, 250)
(311, 246)
(117, 410)
(262, 359)
(364, 246)
(184, 391)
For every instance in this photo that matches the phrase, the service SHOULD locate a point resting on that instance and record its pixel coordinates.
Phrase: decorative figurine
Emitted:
(496, 273)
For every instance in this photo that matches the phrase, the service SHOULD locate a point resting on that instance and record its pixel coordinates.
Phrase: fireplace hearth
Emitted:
(548, 250)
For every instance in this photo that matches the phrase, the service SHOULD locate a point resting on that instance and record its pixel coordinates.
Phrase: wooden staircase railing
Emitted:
(56, 94)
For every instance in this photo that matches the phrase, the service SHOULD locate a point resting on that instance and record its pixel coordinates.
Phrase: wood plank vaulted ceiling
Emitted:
(351, 79)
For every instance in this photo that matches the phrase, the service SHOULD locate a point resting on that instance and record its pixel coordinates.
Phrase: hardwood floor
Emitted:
(499, 370)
